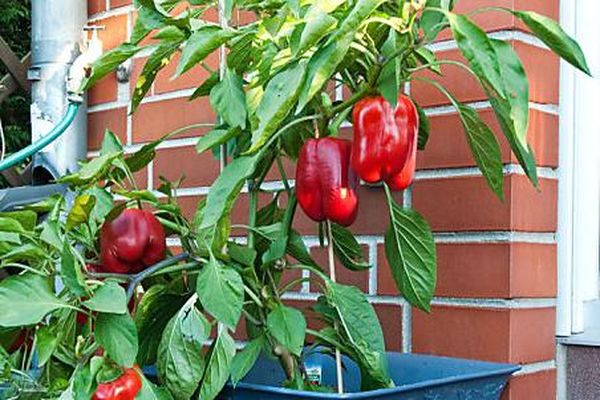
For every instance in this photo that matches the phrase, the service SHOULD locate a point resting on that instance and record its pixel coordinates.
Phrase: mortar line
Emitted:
(505, 34)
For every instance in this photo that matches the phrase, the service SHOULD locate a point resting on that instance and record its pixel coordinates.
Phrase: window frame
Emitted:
(578, 239)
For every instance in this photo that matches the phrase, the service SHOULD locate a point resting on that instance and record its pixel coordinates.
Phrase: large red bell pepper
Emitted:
(385, 141)
(125, 387)
(325, 183)
(132, 242)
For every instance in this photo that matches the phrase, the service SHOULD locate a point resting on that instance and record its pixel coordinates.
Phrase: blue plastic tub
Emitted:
(417, 377)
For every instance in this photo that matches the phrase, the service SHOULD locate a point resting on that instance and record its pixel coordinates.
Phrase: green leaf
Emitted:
(159, 59)
(550, 32)
(424, 128)
(110, 143)
(27, 252)
(27, 219)
(485, 148)
(279, 97)
(206, 86)
(297, 249)
(109, 62)
(218, 367)
(104, 203)
(221, 291)
(524, 153)
(390, 80)
(517, 86)
(226, 188)
(81, 210)
(241, 254)
(83, 380)
(241, 52)
(411, 255)
(71, 273)
(513, 113)
(347, 249)
(9, 224)
(26, 300)
(325, 61)
(116, 333)
(152, 315)
(482, 141)
(200, 44)
(50, 234)
(170, 33)
(288, 326)
(318, 24)
(433, 21)
(150, 391)
(427, 57)
(46, 342)
(359, 322)
(108, 298)
(477, 48)
(245, 359)
(90, 171)
(229, 100)
(180, 361)
(216, 137)
(10, 237)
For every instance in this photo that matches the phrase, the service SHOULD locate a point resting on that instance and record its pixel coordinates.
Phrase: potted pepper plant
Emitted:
(293, 75)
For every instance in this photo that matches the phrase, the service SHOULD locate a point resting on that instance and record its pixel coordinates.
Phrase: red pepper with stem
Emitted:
(132, 242)
(385, 141)
(125, 387)
(325, 183)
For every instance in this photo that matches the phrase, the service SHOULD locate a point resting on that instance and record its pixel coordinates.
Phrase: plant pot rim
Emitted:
(499, 369)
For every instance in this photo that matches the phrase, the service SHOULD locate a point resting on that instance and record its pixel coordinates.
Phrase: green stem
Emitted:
(253, 296)
(251, 318)
(284, 178)
(252, 214)
(293, 283)
(444, 62)
(352, 100)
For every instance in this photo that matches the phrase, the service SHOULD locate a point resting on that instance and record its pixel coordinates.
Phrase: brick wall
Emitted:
(495, 298)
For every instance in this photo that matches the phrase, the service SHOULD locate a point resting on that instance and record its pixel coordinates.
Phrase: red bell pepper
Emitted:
(385, 141)
(132, 242)
(325, 183)
(125, 387)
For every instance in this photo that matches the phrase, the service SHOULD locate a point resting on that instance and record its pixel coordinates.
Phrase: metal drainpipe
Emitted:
(56, 40)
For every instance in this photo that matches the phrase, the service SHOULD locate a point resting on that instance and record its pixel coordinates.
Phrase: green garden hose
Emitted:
(50, 137)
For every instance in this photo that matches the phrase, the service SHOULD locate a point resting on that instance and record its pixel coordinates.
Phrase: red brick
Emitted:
(540, 65)
(467, 204)
(141, 178)
(448, 148)
(533, 270)
(503, 335)
(372, 216)
(119, 3)
(114, 120)
(191, 79)
(492, 270)
(196, 169)
(154, 119)
(115, 31)
(532, 335)
(345, 276)
(96, 6)
(104, 91)
(539, 386)
(390, 318)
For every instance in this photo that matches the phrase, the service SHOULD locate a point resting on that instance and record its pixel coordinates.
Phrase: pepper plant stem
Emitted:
(338, 354)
